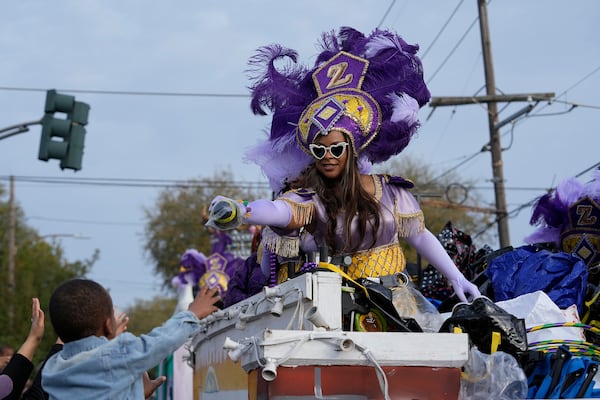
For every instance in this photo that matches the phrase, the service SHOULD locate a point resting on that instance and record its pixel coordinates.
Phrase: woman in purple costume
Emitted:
(356, 107)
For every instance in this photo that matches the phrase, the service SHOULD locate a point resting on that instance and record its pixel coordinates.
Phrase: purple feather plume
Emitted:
(193, 266)
(394, 79)
(280, 160)
(550, 211)
(273, 89)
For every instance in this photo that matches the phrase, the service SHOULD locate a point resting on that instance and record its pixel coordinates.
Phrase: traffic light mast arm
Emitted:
(19, 128)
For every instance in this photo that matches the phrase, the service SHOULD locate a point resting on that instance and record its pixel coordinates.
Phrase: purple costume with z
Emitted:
(370, 89)
(380, 255)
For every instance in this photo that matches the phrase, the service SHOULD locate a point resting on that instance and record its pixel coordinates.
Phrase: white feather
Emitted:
(379, 43)
(405, 108)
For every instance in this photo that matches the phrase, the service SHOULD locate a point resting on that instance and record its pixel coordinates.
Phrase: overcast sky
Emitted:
(101, 50)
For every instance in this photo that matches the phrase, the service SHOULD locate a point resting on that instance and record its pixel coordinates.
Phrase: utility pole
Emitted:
(11, 255)
(492, 100)
(495, 146)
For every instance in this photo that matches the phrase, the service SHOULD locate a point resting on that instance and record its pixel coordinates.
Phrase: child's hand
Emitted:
(150, 385)
(121, 321)
(204, 303)
(118, 323)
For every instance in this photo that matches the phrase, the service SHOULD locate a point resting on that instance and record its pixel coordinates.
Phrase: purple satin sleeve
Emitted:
(275, 213)
(430, 247)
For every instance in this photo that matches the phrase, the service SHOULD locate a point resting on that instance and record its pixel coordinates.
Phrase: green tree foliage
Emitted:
(176, 222)
(39, 267)
(448, 198)
(145, 315)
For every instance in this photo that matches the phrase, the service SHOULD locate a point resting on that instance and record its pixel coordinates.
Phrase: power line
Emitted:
(570, 103)
(514, 212)
(442, 29)
(142, 182)
(81, 221)
(579, 82)
(139, 182)
(453, 50)
(386, 13)
(130, 93)
(455, 167)
(597, 165)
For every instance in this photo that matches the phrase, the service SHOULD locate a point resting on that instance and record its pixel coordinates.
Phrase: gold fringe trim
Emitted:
(302, 213)
(259, 253)
(285, 246)
(409, 224)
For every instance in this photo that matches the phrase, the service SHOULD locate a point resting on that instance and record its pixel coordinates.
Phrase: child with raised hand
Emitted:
(96, 363)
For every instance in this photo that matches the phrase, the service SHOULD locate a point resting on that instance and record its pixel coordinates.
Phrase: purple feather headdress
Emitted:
(369, 86)
(570, 217)
(192, 267)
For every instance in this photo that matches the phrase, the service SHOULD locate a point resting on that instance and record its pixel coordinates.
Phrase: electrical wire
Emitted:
(513, 213)
(130, 93)
(576, 104)
(564, 92)
(223, 95)
(386, 13)
(453, 50)
(469, 158)
(81, 221)
(442, 29)
(138, 182)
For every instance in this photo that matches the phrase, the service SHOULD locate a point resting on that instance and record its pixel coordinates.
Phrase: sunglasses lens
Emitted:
(318, 151)
(337, 150)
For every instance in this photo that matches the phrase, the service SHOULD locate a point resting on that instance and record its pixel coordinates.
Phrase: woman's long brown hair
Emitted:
(346, 194)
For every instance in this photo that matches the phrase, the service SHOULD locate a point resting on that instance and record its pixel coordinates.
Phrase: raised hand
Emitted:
(204, 303)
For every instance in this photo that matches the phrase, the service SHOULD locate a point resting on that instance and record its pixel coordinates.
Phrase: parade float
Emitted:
(333, 328)
(288, 342)
(315, 336)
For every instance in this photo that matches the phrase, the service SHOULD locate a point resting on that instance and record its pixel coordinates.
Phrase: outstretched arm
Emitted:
(225, 213)
(19, 367)
(430, 248)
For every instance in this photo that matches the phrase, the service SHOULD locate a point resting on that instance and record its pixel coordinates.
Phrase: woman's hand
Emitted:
(462, 287)
(35, 333)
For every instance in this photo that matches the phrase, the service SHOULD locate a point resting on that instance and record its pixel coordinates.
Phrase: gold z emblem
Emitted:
(336, 73)
(585, 215)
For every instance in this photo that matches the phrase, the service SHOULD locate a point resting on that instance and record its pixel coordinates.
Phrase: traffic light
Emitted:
(63, 138)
